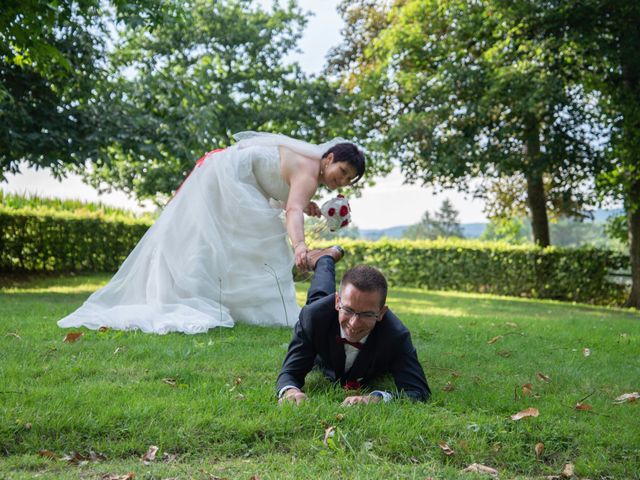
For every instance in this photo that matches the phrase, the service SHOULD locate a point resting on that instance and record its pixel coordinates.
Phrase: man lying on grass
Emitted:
(351, 335)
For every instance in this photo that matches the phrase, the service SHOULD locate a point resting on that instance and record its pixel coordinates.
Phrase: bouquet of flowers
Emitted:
(336, 212)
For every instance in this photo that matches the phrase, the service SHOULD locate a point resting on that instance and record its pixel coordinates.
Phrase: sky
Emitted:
(387, 204)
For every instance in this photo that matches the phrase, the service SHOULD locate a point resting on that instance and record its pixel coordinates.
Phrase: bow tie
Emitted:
(342, 341)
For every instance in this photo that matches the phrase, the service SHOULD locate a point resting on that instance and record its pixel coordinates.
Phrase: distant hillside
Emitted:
(471, 230)
(391, 232)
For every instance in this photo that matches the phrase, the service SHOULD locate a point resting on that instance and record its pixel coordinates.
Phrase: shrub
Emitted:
(32, 241)
(62, 241)
(473, 266)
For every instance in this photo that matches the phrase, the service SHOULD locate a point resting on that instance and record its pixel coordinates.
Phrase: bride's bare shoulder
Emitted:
(292, 161)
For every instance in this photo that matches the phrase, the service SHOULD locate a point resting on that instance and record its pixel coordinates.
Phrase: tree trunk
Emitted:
(536, 198)
(634, 249)
(631, 124)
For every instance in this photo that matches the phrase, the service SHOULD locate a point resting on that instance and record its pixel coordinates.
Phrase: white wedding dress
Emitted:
(217, 254)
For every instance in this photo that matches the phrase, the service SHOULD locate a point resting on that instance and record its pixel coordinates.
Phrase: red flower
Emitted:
(352, 385)
(344, 211)
(344, 224)
(331, 212)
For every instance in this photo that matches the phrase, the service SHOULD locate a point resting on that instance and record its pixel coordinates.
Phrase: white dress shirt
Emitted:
(350, 355)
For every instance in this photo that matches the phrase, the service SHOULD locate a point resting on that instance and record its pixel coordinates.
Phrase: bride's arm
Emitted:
(303, 186)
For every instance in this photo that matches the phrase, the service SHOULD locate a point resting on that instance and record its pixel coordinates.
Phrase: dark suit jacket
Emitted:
(388, 349)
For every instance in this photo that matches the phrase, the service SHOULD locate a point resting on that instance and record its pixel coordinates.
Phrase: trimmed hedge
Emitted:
(36, 242)
(31, 241)
(572, 274)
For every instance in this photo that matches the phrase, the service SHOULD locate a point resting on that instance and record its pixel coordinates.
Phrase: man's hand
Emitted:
(361, 399)
(293, 395)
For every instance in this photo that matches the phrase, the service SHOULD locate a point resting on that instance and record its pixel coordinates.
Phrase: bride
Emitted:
(218, 253)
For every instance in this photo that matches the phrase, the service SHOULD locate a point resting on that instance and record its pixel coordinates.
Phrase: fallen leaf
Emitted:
(117, 350)
(150, 456)
(237, 381)
(168, 457)
(567, 470)
(446, 449)
(103, 329)
(96, 457)
(47, 454)
(72, 337)
(586, 352)
(527, 389)
(448, 387)
(539, 448)
(505, 353)
(479, 468)
(15, 335)
(529, 412)
(496, 447)
(27, 426)
(339, 417)
(115, 476)
(329, 432)
(494, 339)
(75, 458)
(627, 397)
(512, 325)
(254, 477)
(170, 381)
(455, 374)
(543, 377)
(583, 406)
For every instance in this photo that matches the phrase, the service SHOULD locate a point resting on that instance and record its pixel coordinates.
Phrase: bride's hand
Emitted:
(313, 210)
(301, 256)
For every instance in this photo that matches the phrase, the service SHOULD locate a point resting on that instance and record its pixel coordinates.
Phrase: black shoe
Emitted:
(336, 252)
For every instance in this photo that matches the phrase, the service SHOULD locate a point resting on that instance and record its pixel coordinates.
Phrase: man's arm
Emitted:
(407, 372)
(298, 361)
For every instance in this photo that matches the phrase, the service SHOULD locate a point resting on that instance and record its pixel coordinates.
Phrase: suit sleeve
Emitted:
(299, 360)
(407, 372)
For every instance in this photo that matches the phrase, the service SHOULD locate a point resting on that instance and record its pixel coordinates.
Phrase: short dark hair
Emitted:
(366, 279)
(348, 152)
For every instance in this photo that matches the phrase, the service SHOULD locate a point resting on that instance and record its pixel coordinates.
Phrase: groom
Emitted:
(351, 335)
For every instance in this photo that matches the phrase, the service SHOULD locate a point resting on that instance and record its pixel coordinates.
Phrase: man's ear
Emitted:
(337, 301)
(383, 311)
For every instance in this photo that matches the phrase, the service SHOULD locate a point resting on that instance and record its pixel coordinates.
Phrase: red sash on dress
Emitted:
(198, 163)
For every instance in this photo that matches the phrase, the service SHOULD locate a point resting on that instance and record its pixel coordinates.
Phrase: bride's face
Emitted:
(338, 174)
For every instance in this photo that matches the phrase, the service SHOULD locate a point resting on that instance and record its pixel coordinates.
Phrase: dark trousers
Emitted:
(323, 284)
(324, 280)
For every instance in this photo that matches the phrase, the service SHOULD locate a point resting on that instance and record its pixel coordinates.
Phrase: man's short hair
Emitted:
(366, 279)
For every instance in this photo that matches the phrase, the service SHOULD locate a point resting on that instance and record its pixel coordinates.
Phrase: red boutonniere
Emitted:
(352, 385)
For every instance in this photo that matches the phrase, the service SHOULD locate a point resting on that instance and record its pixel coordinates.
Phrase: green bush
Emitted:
(493, 267)
(35, 203)
(32, 241)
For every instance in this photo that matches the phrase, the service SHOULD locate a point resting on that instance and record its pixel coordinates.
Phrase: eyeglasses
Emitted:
(365, 316)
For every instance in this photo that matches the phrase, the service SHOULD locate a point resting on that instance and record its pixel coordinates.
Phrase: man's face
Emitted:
(358, 311)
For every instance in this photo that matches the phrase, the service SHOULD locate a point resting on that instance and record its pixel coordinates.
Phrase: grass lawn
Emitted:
(207, 401)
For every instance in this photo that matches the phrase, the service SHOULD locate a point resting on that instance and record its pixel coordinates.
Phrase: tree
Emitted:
(514, 230)
(613, 37)
(444, 224)
(468, 89)
(52, 55)
(210, 69)
(607, 34)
